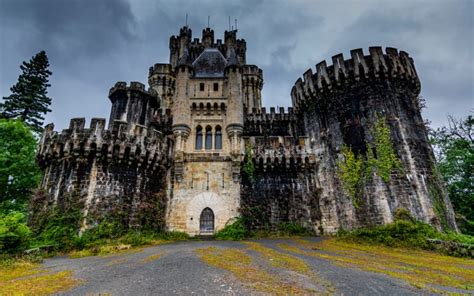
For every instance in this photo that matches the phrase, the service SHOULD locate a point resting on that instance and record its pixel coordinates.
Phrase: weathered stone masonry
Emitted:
(172, 155)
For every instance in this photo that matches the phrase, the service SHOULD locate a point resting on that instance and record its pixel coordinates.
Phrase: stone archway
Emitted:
(206, 221)
(222, 207)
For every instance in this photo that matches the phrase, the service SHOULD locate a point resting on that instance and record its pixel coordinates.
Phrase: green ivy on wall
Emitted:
(381, 159)
(249, 167)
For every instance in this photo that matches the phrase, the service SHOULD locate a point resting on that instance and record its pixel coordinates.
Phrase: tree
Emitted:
(454, 149)
(29, 100)
(19, 173)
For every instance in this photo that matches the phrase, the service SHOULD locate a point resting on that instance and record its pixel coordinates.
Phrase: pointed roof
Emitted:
(210, 63)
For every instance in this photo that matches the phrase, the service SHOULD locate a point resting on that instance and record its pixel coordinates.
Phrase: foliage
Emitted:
(405, 231)
(454, 150)
(292, 228)
(385, 159)
(249, 167)
(61, 227)
(14, 233)
(240, 229)
(29, 100)
(19, 173)
(234, 231)
(351, 172)
(354, 170)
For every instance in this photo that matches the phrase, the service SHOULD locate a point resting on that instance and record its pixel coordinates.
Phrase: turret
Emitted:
(161, 79)
(178, 44)
(235, 117)
(180, 108)
(252, 87)
(207, 37)
(131, 104)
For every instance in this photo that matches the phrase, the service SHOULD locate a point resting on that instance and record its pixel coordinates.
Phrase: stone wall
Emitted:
(207, 183)
(117, 174)
(338, 106)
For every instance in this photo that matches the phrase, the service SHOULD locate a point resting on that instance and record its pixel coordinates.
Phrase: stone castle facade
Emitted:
(173, 154)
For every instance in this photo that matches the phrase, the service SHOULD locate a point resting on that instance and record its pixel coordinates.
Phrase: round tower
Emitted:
(161, 79)
(339, 106)
(235, 113)
(252, 79)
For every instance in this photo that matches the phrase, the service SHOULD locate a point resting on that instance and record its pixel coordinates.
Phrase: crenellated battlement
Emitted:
(252, 70)
(272, 152)
(121, 86)
(391, 65)
(160, 68)
(274, 114)
(124, 142)
(262, 123)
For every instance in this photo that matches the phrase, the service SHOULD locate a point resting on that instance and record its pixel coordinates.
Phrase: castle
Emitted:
(196, 149)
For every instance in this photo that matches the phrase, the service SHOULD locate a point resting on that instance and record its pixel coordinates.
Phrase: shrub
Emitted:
(14, 233)
(100, 233)
(404, 233)
(292, 228)
(234, 231)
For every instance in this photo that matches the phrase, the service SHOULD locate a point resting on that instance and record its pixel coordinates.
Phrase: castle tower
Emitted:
(161, 78)
(339, 106)
(208, 114)
(207, 38)
(131, 104)
(252, 82)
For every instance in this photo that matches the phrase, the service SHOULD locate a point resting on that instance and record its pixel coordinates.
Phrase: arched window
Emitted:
(208, 138)
(218, 138)
(198, 137)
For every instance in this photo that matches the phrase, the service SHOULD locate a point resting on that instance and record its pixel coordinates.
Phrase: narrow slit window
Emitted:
(199, 138)
(208, 138)
(218, 138)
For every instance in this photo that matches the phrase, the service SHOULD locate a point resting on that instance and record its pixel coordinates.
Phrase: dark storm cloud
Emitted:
(93, 44)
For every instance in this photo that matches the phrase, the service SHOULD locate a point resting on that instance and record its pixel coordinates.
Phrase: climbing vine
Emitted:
(384, 159)
(351, 172)
(381, 159)
(249, 167)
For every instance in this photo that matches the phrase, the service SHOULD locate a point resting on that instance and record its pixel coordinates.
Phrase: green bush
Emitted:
(234, 231)
(60, 230)
(292, 228)
(14, 233)
(405, 233)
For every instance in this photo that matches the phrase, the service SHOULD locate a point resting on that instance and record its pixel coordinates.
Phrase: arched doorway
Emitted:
(206, 221)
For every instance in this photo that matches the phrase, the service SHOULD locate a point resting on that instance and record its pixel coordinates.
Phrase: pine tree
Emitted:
(29, 101)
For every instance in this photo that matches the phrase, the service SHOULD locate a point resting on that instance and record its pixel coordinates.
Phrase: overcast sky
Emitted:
(92, 44)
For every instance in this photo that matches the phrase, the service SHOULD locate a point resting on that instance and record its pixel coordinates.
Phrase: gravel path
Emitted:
(180, 271)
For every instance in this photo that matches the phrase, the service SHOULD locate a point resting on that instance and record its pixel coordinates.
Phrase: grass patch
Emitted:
(281, 260)
(152, 258)
(242, 267)
(26, 278)
(127, 243)
(422, 269)
(104, 251)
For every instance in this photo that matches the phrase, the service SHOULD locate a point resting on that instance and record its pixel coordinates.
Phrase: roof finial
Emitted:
(208, 18)
(186, 19)
(236, 24)
(229, 22)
